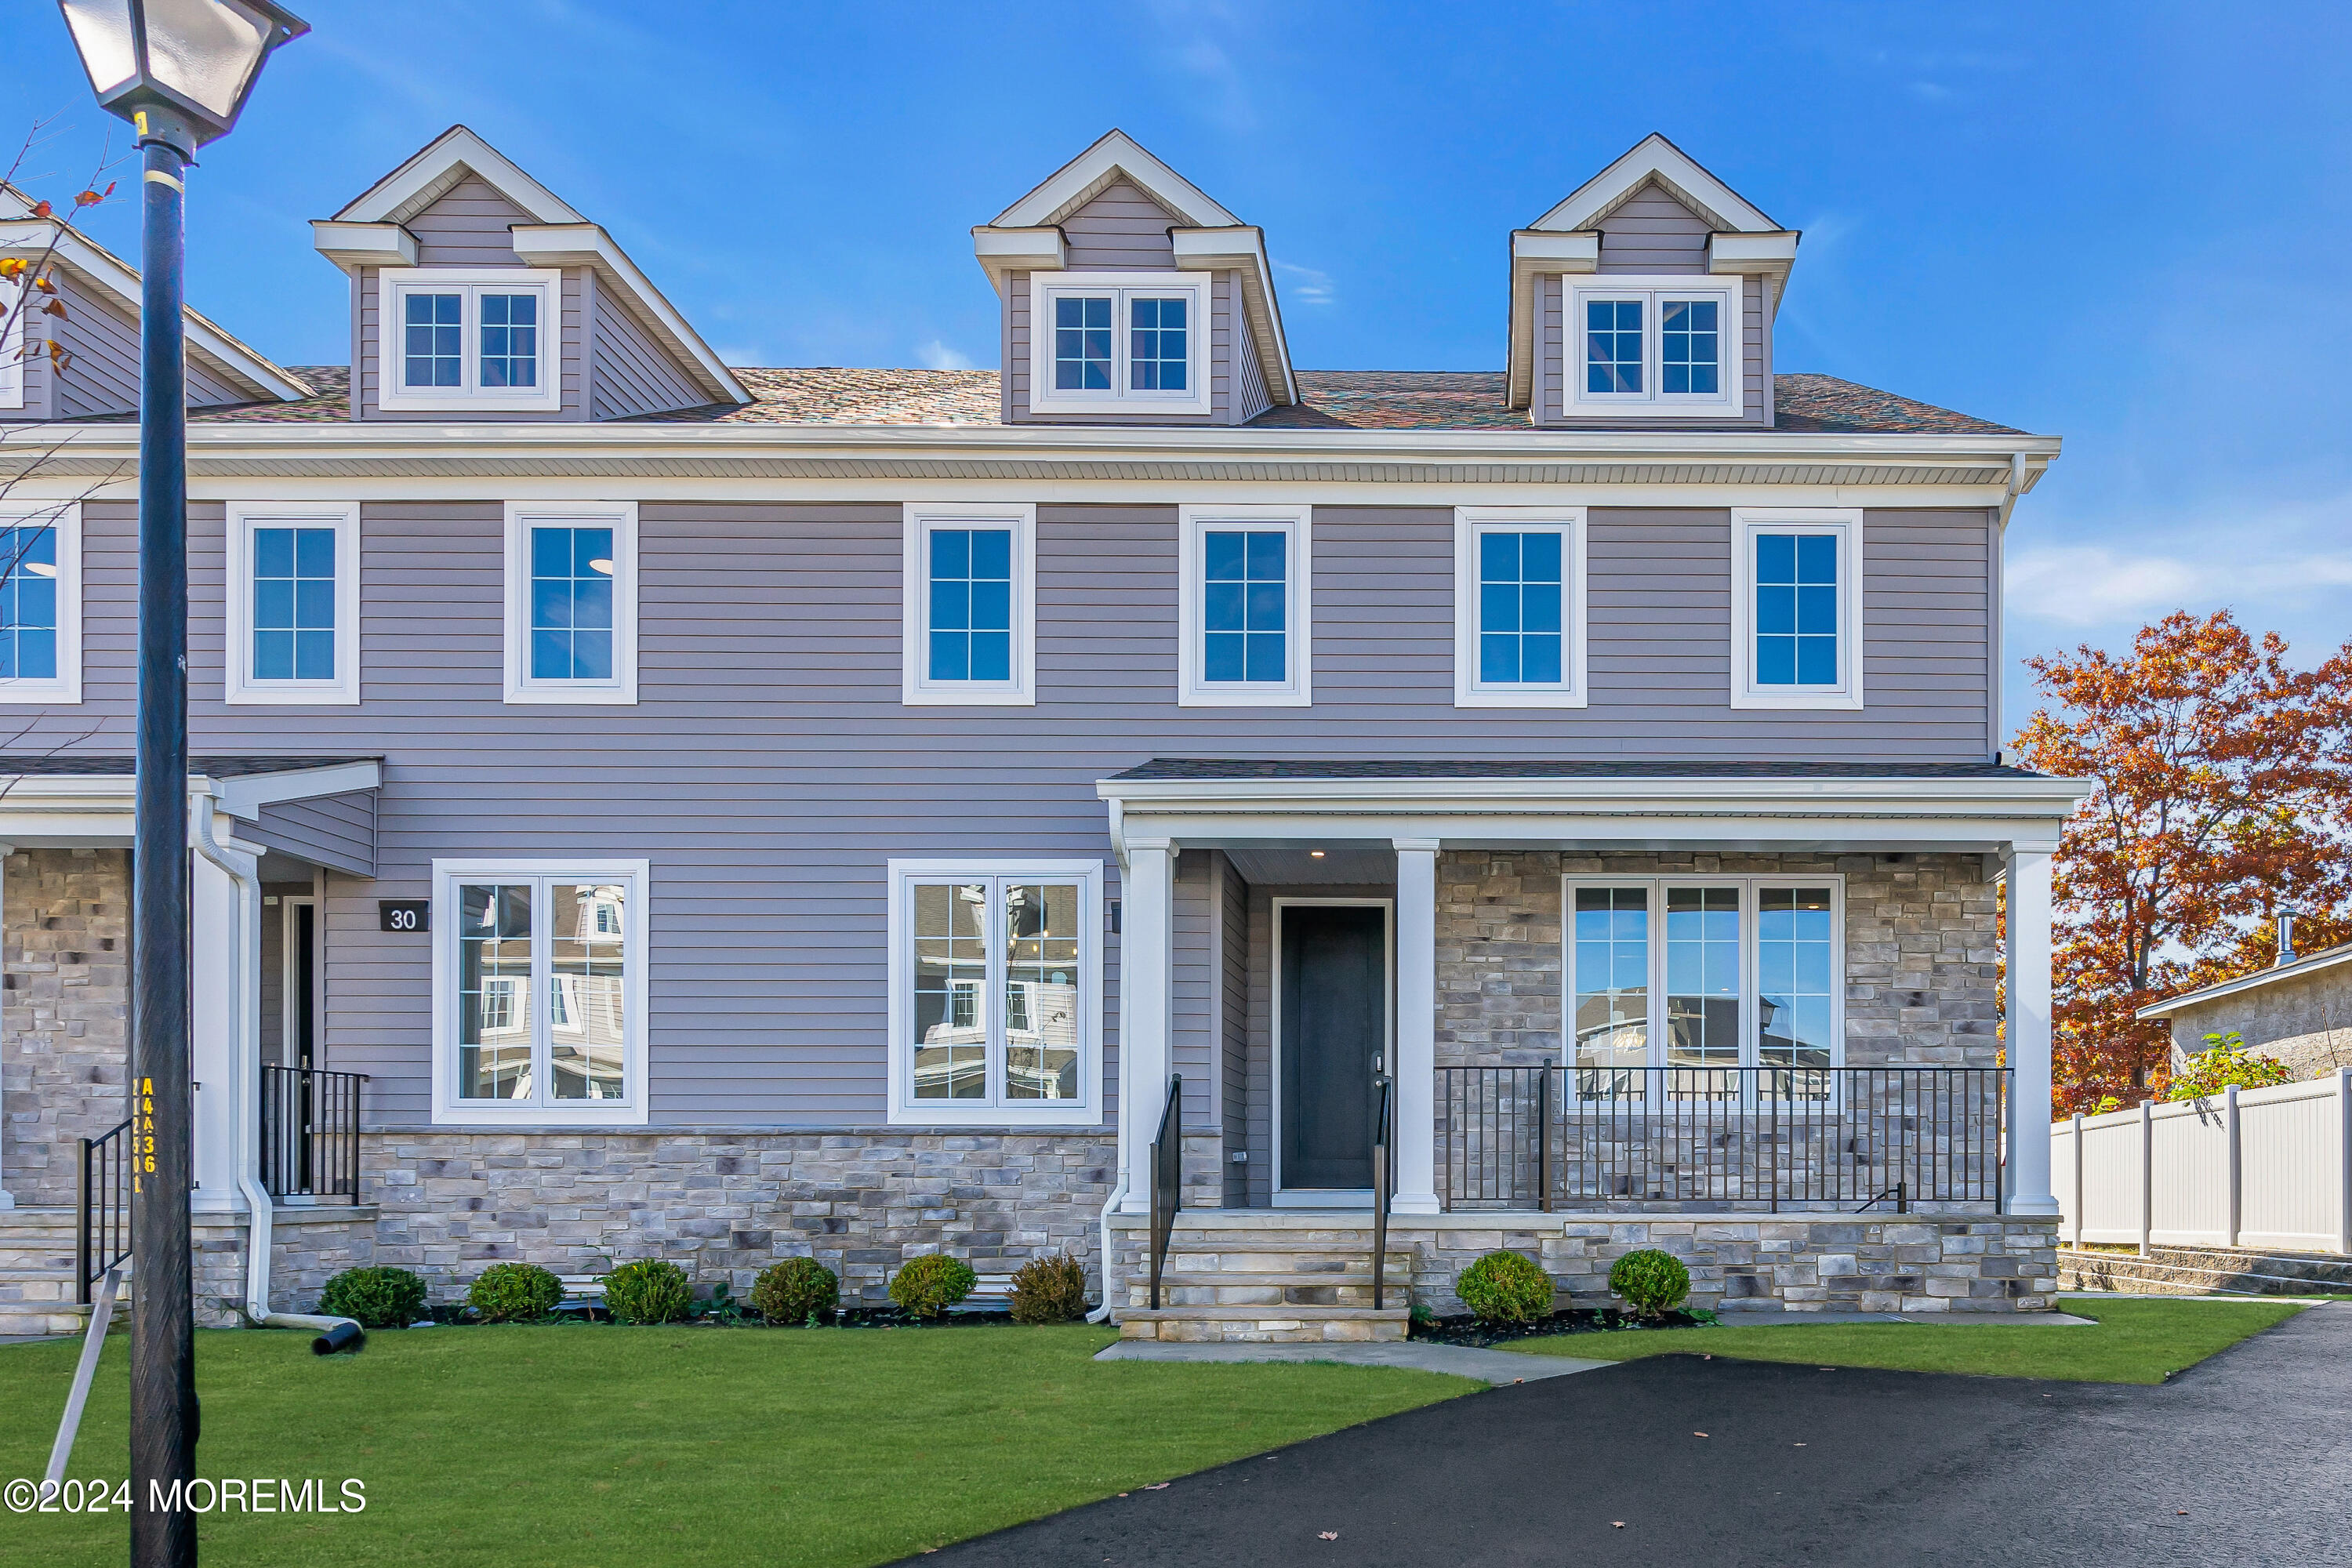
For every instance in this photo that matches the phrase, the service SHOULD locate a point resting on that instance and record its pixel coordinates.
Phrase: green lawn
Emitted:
(2134, 1342)
(582, 1445)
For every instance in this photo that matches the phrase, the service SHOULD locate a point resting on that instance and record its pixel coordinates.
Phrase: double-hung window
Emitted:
(1795, 608)
(970, 578)
(1137, 341)
(1518, 608)
(1705, 988)
(293, 599)
(453, 339)
(1242, 596)
(572, 602)
(996, 991)
(40, 602)
(538, 991)
(1653, 347)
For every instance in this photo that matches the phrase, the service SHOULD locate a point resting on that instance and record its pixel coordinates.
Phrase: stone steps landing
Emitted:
(36, 1274)
(1268, 1287)
(2203, 1271)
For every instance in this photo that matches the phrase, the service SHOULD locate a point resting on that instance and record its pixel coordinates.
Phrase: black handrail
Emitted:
(103, 1205)
(1167, 1179)
(311, 1133)
(1384, 1187)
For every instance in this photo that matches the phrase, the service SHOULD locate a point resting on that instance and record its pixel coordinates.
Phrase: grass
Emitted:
(810, 1448)
(2134, 1342)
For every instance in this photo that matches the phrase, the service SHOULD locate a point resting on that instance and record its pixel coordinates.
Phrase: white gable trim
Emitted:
(436, 168)
(1114, 157)
(1655, 158)
(587, 245)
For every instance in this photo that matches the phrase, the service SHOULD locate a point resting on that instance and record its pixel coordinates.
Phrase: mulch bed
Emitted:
(1466, 1329)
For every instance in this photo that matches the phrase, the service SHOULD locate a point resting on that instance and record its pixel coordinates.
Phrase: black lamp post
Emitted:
(180, 72)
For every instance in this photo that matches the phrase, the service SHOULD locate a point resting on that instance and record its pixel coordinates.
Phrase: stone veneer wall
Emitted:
(308, 1247)
(64, 1012)
(2304, 1022)
(1921, 960)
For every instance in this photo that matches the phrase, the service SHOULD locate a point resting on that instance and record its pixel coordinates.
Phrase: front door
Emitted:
(1334, 1041)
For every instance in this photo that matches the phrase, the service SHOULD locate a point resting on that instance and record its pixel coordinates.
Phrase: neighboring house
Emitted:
(2298, 1012)
(728, 812)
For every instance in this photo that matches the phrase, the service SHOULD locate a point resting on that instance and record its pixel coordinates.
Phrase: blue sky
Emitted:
(2123, 224)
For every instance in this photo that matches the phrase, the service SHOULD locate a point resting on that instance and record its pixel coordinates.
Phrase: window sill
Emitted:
(1800, 702)
(608, 696)
(1502, 697)
(337, 695)
(1244, 697)
(44, 693)
(606, 1114)
(974, 697)
(997, 1116)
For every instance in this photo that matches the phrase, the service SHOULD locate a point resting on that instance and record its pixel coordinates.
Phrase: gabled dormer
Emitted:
(1646, 299)
(73, 354)
(1130, 298)
(478, 293)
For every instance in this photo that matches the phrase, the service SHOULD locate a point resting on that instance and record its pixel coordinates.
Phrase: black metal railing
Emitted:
(311, 1133)
(1760, 1138)
(102, 1204)
(1167, 1179)
(1384, 1187)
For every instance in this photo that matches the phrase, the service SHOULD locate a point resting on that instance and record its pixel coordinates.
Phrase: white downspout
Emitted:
(1102, 1314)
(249, 1102)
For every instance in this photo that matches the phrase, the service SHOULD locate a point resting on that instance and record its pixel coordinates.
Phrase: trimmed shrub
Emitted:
(514, 1293)
(1506, 1288)
(795, 1290)
(381, 1298)
(930, 1283)
(1049, 1290)
(1650, 1281)
(649, 1290)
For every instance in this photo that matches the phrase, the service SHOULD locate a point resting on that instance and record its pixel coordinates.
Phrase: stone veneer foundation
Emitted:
(64, 1013)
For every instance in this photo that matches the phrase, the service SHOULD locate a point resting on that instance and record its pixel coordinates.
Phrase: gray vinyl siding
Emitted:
(101, 370)
(1248, 396)
(1233, 1022)
(337, 831)
(770, 770)
(1196, 1031)
(1650, 233)
(468, 227)
(628, 373)
(1120, 229)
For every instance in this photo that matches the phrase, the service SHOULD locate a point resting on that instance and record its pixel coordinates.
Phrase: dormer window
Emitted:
(1651, 347)
(1123, 341)
(469, 340)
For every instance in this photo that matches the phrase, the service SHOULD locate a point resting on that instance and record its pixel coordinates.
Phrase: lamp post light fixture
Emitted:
(180, 72)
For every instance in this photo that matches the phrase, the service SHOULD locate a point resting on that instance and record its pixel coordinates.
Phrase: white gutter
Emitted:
(257, 1236)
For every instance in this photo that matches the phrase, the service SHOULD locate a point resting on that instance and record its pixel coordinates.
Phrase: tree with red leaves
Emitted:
(2222, 796)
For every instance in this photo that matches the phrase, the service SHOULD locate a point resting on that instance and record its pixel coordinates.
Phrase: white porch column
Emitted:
(1416, 1002)
(2028, 1033)
(224, 940)
(1144, 952)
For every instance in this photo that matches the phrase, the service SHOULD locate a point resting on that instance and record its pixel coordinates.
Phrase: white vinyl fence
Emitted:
(2267, 1168)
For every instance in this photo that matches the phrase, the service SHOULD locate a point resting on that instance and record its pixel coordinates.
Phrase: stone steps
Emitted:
(2203, 1271)
(1264, 1325)
(1269, 1283)
(36, 1274)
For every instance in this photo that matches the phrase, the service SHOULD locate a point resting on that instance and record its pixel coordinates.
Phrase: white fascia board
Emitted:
(1654, 157)
(246, 795)
(1114, 155)
(111, 273)
(1003, 251)
(1241, 249)
(456, 151)
(2256, 982)
(355, 244)
(1535, 256)
(1765, 256)
(587, 245)
(2003, 797)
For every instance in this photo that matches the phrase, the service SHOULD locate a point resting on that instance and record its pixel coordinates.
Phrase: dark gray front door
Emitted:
(1334, 1013)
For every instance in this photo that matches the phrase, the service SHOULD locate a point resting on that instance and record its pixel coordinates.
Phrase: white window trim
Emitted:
(622, 518)
(917, 689)
(450, 1110)
(1751, 1014)
(1298, 690)
(1469, 691)
(1845, 524)
(65, 689)
(393, 282)
(1046, 398)
(238, 684)
(904, 1108)
(1652, 404)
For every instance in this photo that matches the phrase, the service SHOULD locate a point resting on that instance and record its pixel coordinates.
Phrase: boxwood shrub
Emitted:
(379, 1298)
(930, 1283)
(795, 1291)
(1650, 1281)
(1506, 1288)
(650, 1291)
(514, 1293)
(1049, 1290)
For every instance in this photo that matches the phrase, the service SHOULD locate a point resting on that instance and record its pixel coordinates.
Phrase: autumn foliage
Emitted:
(2222, 795)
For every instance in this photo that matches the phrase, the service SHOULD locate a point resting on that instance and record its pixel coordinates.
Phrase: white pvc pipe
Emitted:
(248, 1103)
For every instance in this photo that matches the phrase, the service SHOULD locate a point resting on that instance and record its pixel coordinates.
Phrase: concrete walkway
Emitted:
(1498, 1367)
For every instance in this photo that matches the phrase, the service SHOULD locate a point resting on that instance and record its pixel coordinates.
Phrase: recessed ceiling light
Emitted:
(1315, 853)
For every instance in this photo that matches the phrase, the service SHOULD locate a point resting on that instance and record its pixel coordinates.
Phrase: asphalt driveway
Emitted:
(2244, 1458)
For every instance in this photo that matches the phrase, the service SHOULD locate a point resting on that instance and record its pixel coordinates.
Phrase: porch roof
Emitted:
(1557, 768)
(84, 800)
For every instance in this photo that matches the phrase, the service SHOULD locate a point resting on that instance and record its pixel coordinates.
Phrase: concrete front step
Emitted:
(1264, 1325)
(2158, 1275)
(1249, 1289)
